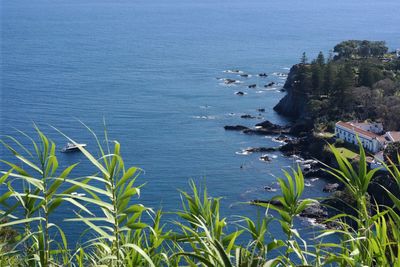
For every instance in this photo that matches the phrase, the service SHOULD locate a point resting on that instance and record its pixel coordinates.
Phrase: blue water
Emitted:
(150, 67)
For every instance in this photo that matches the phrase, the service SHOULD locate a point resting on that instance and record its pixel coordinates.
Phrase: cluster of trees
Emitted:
(346, 88)
(360, 48)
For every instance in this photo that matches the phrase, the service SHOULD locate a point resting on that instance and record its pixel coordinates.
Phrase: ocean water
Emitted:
(150, 69)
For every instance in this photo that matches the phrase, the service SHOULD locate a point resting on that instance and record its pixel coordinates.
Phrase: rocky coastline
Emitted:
(299, 140)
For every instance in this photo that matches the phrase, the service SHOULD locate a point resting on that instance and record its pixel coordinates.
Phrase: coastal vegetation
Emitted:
(120, 231)
(360, 80)
(391, 151)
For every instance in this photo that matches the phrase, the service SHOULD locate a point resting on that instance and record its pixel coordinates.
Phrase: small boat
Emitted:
(75, 194)
(70, 147)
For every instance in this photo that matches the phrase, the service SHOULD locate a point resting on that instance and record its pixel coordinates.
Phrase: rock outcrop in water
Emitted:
(247, 116)
(331, 187)
(260, 149)
(262, 128)
(235, 127)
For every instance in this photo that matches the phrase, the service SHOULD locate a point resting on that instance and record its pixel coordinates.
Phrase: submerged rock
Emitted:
(270, 189)
(267, 127)
(330, 187)
(230, 81)
(260, 149)
(270, 84)
(235, 127)
(247, 116)
(265, 158)
(263, 128)
(317, 212)
(282, 138)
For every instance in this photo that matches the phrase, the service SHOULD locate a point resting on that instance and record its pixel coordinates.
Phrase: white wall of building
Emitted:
(350, 136)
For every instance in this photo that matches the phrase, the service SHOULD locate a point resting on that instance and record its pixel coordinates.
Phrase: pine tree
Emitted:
(317, 77)
(329, 79)
(344, 80)
(321, 59)
(303, 59)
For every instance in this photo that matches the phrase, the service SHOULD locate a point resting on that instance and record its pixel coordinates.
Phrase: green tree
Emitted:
(320, 59)
(304, 59)
(344, 80)
(378, 48)
(369, 74)
(317, 77)
(329, 78)
(364, 49)
(346, 49)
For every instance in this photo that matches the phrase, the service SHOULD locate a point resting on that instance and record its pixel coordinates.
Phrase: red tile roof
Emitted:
(382, 139)
(395, 136)
(352, 127)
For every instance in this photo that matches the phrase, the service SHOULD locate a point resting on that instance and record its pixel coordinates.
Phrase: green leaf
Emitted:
(77, 204)
(141, 252)
(202, 259)
(21, 221)
(136, 225)
(128, 174)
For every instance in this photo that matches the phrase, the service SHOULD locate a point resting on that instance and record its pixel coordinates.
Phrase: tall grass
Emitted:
(123, 232)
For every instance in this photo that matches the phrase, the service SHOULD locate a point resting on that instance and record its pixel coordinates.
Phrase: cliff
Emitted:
(294, 103)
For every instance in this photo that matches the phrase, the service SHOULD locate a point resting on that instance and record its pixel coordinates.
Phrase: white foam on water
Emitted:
(278, 141)
(243, 152)
(205, 117)
(233, 71)
(313, 222)
(280, 74)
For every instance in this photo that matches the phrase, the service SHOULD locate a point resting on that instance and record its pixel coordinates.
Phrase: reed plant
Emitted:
(120, 231)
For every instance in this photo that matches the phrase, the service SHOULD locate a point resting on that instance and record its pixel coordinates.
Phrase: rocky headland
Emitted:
(299, 140)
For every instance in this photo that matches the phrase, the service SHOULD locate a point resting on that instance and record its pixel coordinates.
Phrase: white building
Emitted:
(374, 127)
(370, 134)
(367, 133)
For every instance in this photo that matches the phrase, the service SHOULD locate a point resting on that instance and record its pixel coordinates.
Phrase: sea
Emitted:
(154, 70)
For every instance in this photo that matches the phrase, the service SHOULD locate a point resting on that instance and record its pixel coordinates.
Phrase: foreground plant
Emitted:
(123, 232)
(30, 209)
(374, 241)
(290, 206)
(122, 239)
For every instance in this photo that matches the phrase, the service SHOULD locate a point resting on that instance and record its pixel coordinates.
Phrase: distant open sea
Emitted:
(150, 67)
